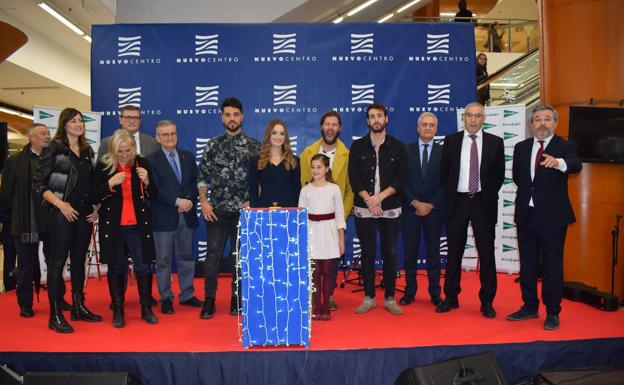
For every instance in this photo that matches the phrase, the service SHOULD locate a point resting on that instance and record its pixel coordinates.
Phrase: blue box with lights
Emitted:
(275, 277)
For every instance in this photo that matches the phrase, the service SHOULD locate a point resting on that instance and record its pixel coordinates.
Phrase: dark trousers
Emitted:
(27, 269)
(66, 238)
(412, 227)
(218, 233)
(533, 240)
(8, 246)
(470, 210)
(131, 238)
(366, 229)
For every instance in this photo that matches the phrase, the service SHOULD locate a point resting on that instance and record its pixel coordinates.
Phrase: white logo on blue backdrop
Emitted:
(206, 96)
(284, 43)
(362, 94)
(206, 44)
(438, 43)
(438, 93)
(285, 95)
(129, 97)
(200, 145)
(362, 43)
(128, 46)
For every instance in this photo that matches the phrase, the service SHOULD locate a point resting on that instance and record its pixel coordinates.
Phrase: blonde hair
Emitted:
(265, 150)
(119, 137)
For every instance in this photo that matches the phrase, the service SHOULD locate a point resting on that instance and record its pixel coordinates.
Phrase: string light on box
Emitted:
(276, 277)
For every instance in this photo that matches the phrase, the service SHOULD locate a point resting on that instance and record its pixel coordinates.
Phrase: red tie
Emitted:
(540, 153)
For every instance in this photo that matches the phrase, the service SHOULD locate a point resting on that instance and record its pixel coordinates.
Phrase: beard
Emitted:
(377, 130)
(330, 141)
(232, 129)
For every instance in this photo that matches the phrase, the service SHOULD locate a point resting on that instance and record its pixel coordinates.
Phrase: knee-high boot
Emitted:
(116, 290)
(144, 284)
(79, 311)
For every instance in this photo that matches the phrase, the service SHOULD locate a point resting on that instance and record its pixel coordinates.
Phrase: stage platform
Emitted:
(350, 349)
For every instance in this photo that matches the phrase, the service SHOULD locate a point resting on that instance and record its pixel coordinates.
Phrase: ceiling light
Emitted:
(388, 16)
(360, 7)
(60, 18)
(16, 113)
(447, 14)
(87, 38)
(406, 6)
(338, 20)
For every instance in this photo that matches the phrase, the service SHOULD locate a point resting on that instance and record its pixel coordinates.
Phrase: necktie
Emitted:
(174, 166)
(473, 175)
(425, 160)
(540, 153)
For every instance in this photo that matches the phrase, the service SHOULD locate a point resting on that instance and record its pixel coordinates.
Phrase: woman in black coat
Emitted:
(63, 180)
(122, 185)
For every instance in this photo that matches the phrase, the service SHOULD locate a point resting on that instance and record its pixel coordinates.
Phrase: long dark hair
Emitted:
(61, 134)
(325, 160)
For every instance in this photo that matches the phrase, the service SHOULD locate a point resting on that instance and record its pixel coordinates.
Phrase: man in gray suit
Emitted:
(130, 120)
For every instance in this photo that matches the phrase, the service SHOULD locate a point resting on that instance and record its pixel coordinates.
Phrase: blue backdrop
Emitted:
(295, 72)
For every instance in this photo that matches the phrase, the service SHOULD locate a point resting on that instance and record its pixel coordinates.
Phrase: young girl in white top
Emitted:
(326, 225)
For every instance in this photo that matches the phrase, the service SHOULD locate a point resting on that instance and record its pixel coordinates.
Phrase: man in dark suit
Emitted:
(423, 208)
(130, 120)
(473, 168)
(173, 215)
(543, 212)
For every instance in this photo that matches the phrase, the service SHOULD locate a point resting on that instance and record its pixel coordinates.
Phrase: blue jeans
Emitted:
(129, 236)
(180, 241)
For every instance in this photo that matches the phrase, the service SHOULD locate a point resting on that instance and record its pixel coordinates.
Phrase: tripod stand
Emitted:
(615, 233)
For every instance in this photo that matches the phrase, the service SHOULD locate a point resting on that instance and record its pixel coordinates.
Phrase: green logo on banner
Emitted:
(509, 135)
(507, 226)
(90, 141)
(87, 119)
(508, 180)
(508, 113)
(468, 246)
(508, 158)
(508, 248)
(487, 126)
(45, 115)
(507, 203)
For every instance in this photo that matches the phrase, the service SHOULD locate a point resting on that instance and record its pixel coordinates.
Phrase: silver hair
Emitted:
(425, 114)
(31, 129)
(475, 104)
(164, 123)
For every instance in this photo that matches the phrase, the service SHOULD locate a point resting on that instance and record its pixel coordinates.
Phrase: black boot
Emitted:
(144, 284)
(79, 311)
(235, 306)
(57, 322)
(116, 290)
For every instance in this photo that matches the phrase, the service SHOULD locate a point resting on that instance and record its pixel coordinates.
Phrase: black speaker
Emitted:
(478, 369)
(76, 378)
(577, 291)
(582, 376)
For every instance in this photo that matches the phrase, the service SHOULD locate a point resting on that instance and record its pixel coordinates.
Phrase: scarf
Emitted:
(25, 223)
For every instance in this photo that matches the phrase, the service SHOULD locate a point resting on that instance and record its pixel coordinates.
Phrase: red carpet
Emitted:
(418, 326)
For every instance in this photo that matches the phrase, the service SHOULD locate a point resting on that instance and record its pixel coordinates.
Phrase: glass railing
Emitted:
(516, 83)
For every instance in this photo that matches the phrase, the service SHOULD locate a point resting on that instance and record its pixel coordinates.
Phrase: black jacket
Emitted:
(57, 174)
(392, 169)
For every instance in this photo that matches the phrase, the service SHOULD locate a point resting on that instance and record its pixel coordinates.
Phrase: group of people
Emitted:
(143, 193)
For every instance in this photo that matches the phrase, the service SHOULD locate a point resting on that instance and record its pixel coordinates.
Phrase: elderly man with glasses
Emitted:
(130, 120)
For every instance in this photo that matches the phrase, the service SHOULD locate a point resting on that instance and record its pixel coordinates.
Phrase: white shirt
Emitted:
(330, 154)
(138, 142)
(464, 162)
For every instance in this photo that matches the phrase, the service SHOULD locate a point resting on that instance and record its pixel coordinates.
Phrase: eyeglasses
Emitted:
(469, 115)
(131, 118)
(168, 134)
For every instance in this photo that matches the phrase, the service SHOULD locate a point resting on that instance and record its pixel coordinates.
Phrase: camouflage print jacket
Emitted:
(223, 170)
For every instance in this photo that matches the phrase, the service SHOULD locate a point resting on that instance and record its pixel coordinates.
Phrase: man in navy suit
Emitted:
(423, 208)
(543, 212)
(174, 216)
(473, 167)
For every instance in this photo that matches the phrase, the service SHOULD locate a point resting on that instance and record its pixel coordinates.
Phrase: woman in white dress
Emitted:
(326, 225)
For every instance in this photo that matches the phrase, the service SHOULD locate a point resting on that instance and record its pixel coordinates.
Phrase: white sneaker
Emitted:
(367, 305)
(391, 305)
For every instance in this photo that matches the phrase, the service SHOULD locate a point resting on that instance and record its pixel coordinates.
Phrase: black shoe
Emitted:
(153, 301)
(26, 312)
(57, 322)
(552, 322)
(79, 311)
(436, 300)
(488, 311)
(64, 305)
(447, 305)
(235, 306)
(166, 307)
(521, 315)
(406, 300)
(193, 302)
(208, 309)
